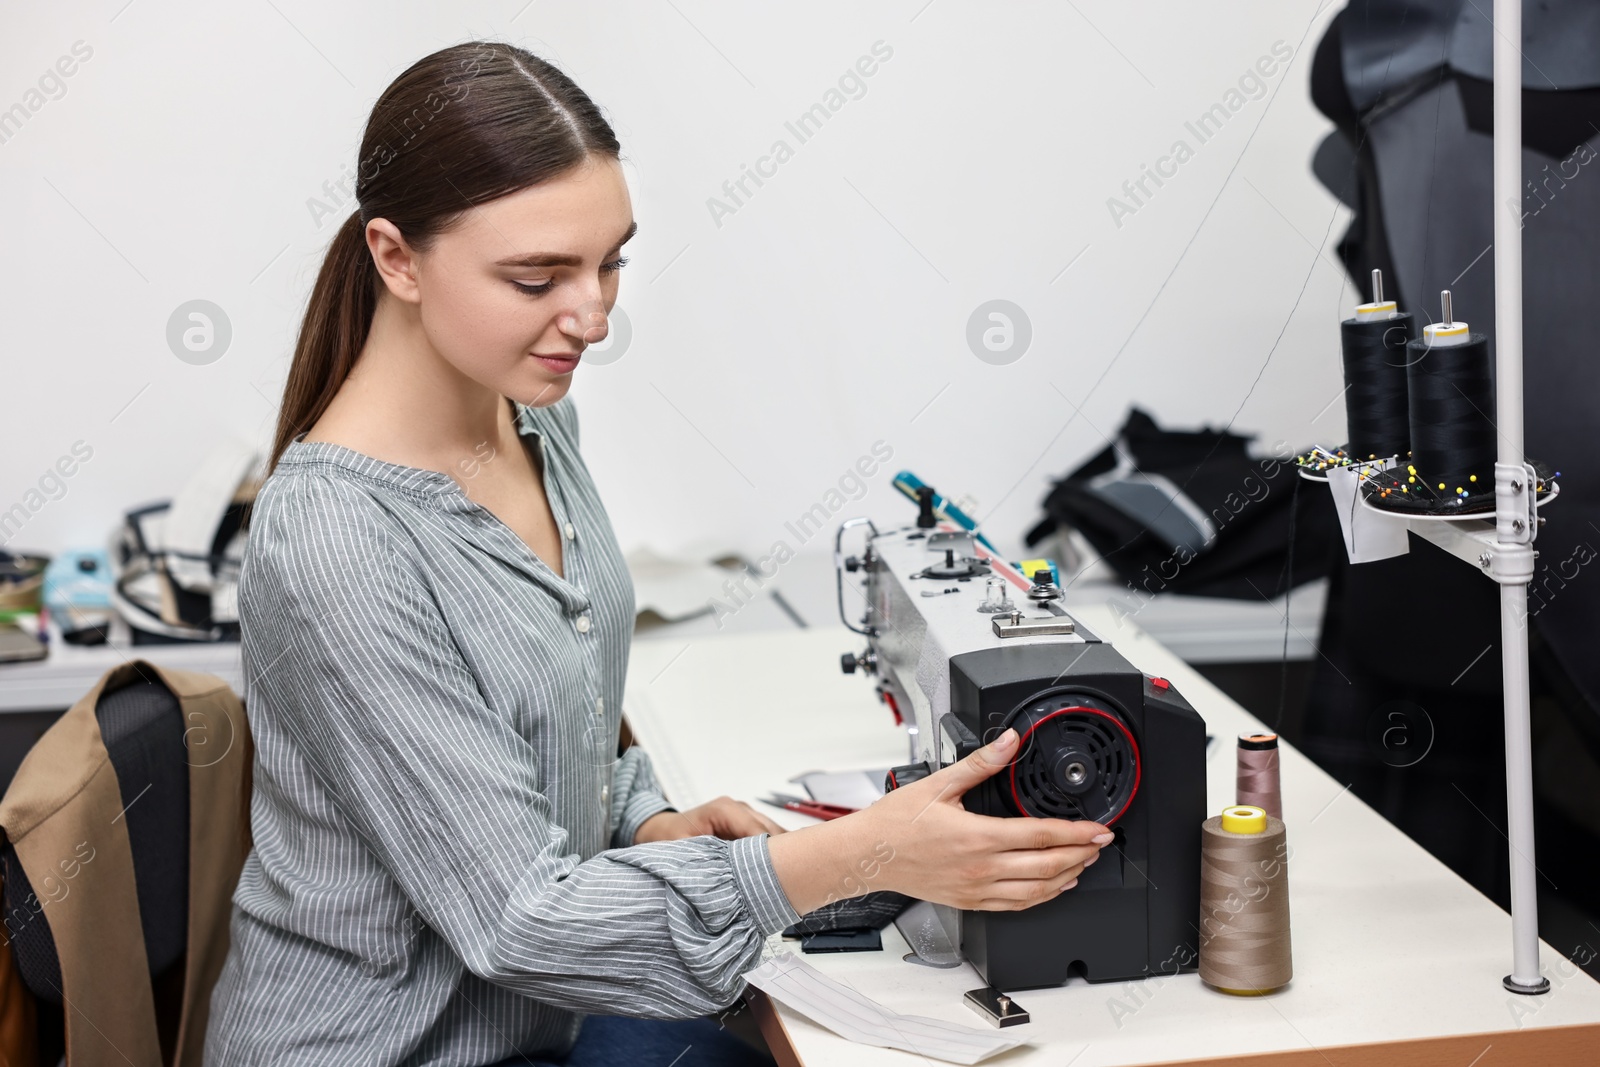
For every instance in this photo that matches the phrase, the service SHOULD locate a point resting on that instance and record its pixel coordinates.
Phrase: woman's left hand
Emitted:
(723, 817)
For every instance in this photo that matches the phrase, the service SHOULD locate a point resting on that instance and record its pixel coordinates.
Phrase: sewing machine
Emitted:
(961, 645)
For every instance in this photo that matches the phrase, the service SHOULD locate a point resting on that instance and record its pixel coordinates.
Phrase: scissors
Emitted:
(806, 806)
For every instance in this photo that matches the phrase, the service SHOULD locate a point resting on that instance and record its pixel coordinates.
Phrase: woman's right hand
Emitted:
(948, 855)
(920, 841)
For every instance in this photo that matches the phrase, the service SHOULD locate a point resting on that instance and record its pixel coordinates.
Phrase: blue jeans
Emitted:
(608, 1040)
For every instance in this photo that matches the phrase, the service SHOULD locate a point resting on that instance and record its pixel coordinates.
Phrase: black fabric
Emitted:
(1389, 44)
(32, 945)
(1558, 44)
(1249, 502)
(1378, 56)
(871, 911)
(142, 726)
(1407, 708)
(1553, 124)
(1345, 165)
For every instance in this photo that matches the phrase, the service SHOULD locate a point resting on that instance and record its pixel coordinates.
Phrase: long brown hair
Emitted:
(465, 125)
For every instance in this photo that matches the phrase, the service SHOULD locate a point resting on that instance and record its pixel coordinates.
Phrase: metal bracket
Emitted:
(959, 540)
(1502, 549)
(1516, 511)
(1478, 543)
(1510, 564)
(996, 1007)
(1018, 625)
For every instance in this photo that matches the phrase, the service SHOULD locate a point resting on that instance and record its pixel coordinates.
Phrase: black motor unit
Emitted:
(1100, 741)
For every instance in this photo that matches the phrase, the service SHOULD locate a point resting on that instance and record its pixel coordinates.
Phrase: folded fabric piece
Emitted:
(847, 1013)
(1192, 511)
(872, 911)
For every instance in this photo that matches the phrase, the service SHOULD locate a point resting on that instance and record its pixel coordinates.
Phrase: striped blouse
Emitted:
(443, 869)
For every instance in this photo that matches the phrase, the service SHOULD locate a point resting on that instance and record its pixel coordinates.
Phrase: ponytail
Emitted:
(461, 127)
(331, 335)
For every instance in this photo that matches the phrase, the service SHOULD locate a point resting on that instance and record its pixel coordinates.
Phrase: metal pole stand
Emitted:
(1511, 564)
(1516, 518)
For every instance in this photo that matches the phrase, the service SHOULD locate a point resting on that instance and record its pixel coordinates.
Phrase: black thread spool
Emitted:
(1451, 386)
(1377, 389)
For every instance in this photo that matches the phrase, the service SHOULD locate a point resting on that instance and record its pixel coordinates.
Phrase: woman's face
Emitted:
(514, 292)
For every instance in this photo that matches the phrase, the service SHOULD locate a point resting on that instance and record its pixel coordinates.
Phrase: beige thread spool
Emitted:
(1257, 777)
(1244, 902)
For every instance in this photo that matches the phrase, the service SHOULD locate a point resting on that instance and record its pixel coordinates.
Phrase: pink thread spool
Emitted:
(1258, 773)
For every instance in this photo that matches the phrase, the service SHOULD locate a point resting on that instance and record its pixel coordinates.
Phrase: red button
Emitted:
(1161, 683)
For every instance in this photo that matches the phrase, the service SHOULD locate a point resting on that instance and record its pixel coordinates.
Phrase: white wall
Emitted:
(821, 316)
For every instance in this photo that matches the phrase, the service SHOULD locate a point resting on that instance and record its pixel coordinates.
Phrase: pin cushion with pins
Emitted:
(1408, 490)
(1315, 463)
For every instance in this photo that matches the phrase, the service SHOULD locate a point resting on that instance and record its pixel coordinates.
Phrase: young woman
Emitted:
(451, 863)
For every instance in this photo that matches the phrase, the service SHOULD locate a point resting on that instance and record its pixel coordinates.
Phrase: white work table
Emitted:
(1396, 959)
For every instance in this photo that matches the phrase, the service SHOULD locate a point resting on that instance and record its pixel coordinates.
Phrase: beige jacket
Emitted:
(63, 814)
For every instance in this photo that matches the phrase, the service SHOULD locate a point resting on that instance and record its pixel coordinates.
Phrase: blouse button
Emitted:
(599, 705)
(605, 796)
(571, 531)
(582, 624)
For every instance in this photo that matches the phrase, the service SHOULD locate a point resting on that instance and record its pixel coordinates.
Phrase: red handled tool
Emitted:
(815, 808)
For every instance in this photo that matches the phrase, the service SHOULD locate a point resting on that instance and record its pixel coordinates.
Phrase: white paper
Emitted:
(847, 1013)
(1368, 535)
(850, 789)
(675, 589)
